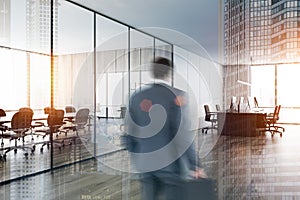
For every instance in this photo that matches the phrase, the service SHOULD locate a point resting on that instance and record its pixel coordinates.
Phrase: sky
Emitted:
(197, 19)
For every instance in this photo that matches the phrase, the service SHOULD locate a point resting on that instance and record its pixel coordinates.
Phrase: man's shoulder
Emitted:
(176, 91)
(179, 92)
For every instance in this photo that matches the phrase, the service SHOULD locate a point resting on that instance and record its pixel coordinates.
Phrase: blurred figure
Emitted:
(159, 136)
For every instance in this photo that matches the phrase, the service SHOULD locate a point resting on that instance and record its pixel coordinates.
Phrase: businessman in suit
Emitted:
(159, 139)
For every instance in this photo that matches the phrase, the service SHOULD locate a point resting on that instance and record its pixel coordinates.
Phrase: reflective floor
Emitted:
(77, 146)
(244, 168)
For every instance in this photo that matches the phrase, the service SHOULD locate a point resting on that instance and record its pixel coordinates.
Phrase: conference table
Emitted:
(5, 122)
(36, 117)
(240, 123)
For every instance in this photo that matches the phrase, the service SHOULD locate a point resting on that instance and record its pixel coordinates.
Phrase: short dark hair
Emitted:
(161, 67)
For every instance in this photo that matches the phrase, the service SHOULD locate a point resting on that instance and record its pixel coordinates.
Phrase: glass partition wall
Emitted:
(90, 69)
(97, 63)
(25, 80)
(73, 77)
(201, 78)
(141, 55)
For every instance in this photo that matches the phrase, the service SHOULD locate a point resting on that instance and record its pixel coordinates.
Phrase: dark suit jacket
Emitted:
(180, 153)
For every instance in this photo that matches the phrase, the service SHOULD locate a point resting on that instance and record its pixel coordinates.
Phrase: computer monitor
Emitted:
(255, 103)
(249, 104)
(241, 100)
(241, 106)
(233, 104)
(256, 107)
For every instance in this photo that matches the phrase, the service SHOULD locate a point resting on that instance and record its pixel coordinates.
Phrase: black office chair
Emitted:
(20, 125)
(218, 107)
(122, 116)
(271, 122)
(3, 128)
(54, 126)
(123, 112)
(209, 117)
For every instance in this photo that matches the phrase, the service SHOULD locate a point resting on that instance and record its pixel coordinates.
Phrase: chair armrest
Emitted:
(38, 124)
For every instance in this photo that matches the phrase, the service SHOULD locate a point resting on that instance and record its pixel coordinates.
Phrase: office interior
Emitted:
(97, 63)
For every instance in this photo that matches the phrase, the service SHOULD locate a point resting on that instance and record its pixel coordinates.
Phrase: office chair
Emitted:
(80, 121)
(47, 110)
(122, 116)
(218, 107)
(20, 125)
(70, 109)
(209, 117)
(271, 122)
(54, 124)
(123, 112)
(33, 126)
(3, 128)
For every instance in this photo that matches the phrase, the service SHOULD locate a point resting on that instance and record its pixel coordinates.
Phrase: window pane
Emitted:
(112, 65)
(163, 49)
(73, 73)
(200, 78)
(287, 79)
(27, 25)
(263, 85)
(5, 22)
(180, 69)
(39, 81)
(141, 56)
(115, 94)
(14, 78)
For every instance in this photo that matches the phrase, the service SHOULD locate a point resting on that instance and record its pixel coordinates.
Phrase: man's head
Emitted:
(161, 68)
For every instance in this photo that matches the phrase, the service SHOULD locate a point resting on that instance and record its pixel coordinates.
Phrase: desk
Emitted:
(240, 124)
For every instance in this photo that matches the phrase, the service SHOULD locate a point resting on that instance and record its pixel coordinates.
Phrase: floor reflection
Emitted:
(256, 167)
(261, 167)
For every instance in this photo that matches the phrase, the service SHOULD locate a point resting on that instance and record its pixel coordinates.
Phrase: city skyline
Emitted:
(261, 32)
(184, 18)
